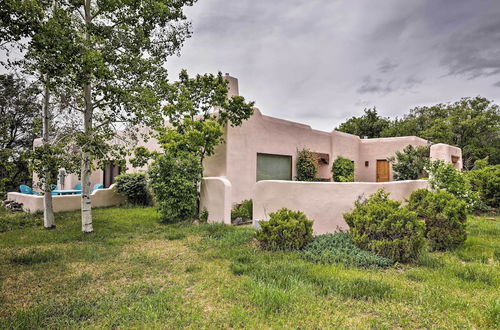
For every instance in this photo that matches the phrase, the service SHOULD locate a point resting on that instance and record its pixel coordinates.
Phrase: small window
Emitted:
(274, 167)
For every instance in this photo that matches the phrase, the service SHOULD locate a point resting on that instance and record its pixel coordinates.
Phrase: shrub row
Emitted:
(381, 230)
(307, 167)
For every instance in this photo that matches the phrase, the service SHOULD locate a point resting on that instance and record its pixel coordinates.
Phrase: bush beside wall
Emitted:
(307, 165)
(243, 210)
(382, 226)
(134, 187)
(443, 176)
(445, 217)
(343, 170)
(285, 230)
(174, 182)
(486, 181)
(410, 163)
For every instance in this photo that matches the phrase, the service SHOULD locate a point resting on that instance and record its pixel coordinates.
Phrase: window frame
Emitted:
(270, 154)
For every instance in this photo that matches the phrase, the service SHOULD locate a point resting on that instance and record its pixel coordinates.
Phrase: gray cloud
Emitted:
(374, 85)
(477, 52)
(320, 62)
(387, 65)
(310, 61)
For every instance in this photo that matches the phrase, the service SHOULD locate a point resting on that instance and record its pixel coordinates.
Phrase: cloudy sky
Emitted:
(322, 61)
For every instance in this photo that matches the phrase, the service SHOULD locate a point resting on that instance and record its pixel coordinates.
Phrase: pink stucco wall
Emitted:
(323, 202)
(372, 150)
(447, 153)
(265, 134)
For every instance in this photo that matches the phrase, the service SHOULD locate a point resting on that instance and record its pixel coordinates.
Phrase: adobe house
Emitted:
(265, 148)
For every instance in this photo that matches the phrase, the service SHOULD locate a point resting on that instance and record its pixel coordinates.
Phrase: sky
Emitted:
(320, 62)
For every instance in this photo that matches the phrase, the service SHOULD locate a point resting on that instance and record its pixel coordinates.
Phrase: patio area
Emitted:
(67, 199)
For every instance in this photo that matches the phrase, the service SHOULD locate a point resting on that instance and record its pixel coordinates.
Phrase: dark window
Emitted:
(110, 172)
(274, 167)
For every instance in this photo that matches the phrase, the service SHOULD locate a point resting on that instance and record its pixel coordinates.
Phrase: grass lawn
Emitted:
(135, 272)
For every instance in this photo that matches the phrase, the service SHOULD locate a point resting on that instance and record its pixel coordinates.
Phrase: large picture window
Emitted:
(274, 167)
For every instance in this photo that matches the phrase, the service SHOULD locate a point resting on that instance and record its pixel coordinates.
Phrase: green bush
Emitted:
(307, 166)
(445, 217)
(243, 210)
(285, 230)
(382, 226)
(134, 187)
(174, 182)
(410, 164)
(340, 248)
(486, 181)
(343, 170)
(446, 177)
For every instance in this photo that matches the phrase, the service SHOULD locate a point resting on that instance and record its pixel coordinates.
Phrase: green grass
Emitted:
(134, 272)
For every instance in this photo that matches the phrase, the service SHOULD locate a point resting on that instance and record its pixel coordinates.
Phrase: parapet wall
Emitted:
(447, 153)
(323, 202)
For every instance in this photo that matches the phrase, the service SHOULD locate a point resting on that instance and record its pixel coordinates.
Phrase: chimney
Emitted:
(232, 85)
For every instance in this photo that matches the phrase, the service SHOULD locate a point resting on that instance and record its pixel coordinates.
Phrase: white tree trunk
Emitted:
(85, 166)
(87, 127)
(48, 211)
(86, 190)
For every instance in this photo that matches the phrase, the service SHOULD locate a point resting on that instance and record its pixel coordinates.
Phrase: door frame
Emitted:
(388, 170)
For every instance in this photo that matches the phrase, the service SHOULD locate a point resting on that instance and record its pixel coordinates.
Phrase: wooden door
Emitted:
(382, 170)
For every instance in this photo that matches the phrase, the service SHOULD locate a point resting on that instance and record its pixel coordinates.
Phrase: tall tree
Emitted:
(113, 53)
(198, 109)
(370, 124)
(19, 126)
(473, 124)
(44, 60)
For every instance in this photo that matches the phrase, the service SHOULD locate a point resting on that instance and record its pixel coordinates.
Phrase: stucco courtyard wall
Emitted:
(215, 197)
(324, 202)
(100, 198)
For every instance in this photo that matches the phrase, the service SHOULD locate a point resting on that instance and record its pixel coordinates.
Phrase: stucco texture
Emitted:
(323, 202)
(215, 197)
